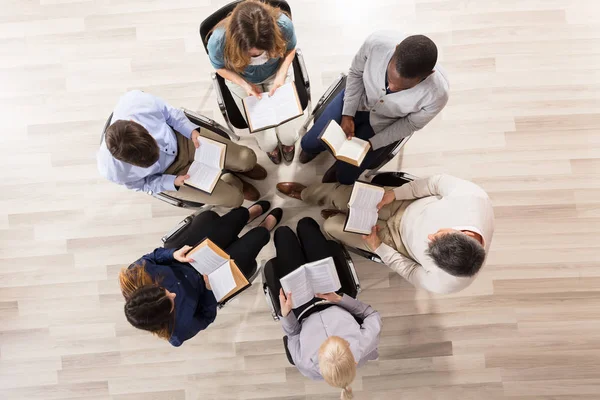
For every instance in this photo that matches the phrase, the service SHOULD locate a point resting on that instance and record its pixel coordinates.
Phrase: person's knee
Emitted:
(247, 158)
(307, 224)
(329, 227)
(283, 234)
(234, 200)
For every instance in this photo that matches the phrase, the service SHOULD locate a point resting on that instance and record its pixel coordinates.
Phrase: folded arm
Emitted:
(436, 185)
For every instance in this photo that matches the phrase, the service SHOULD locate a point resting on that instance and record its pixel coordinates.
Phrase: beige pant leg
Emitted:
(329, 195)
(227, 193)
(334, 229)
(267, 139)
(288, 132)
(237, 158)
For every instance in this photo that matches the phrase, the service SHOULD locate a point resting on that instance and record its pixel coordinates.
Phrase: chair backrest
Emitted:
(212, 20)
(106, 125)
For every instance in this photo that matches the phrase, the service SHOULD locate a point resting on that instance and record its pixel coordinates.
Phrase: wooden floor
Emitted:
(523, 121)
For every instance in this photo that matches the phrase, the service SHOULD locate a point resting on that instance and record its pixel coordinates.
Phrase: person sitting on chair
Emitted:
(165, 295)
(325, 340)
(435, 232)
(149, 146)
(392, 91)
(253, 50)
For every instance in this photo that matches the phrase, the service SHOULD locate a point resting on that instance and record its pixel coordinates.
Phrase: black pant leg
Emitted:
(289, 257)
(229, 226)
(245, 250)
(313, 241)
(195, 231)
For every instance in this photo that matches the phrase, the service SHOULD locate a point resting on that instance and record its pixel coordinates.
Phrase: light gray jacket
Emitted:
(305, 339)
(395, 115)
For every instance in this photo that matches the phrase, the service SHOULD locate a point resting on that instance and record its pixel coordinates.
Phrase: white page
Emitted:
(222, 281)
(365, 196)
(202, 176)
(285, 103)
(335, 136)
(297, 283)
(353, 149)
(323, 276)
(361, 220)
(260, 111)
(206, 260)
(209, 152)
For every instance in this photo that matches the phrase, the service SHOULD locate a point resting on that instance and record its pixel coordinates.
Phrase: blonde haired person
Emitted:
(312, 327)
(253, 49)
(337, 365)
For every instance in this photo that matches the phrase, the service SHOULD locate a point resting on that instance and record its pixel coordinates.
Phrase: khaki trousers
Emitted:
(337, 196)
(269, 138)
(228, 191)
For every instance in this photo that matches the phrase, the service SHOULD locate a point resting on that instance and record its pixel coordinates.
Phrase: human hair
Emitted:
(130, 142)
(337, 365)
(457, 254)
(252, 24)
(415, 57)
(147, 305)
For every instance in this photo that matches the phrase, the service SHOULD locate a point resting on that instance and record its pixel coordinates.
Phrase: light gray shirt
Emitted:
(305, 339)
(396, 115)
(444, 201)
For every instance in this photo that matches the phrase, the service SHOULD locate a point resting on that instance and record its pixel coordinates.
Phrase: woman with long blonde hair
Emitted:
(337, 365)
(253, 49)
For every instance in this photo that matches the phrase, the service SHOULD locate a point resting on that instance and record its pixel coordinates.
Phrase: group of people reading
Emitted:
(435, 232)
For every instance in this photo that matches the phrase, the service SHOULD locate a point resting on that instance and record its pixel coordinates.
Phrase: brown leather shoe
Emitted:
(329, 212)
(250, 192)
(288, 155)
(291, 189)
(331, 174)
(306, 157)
(275, 156)
(257, 173)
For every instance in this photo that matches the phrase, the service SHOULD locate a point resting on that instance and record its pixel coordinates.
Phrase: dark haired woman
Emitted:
(165, 295)
(253, 49)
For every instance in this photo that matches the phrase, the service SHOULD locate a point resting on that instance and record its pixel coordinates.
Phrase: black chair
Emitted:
(201, 121)
(392, 179)
(332, 91)
(345, 268)
(181, 227)
(231, 113)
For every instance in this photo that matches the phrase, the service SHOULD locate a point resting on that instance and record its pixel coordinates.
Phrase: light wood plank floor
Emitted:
(523, 121)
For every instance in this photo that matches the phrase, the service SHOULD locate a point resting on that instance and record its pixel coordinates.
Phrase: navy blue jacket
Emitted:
(195, 305)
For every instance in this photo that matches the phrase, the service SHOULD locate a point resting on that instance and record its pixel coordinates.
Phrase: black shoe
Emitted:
(264, 205)
(306, 157)
(331, 174)
(277, 213)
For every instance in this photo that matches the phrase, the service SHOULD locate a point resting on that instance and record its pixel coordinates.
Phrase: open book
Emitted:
(351, 151)
(209, 161)
(362, 208)
(310, 279)
(224, 276)
(271, 111)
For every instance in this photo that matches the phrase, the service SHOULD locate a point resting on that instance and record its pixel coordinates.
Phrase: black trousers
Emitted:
(224, 231)
(293, 252)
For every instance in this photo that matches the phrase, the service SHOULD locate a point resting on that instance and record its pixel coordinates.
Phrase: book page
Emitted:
(285, 102)
(272, 110)
(365, 196)
(207, 260)
(203, 176)
(323, 276)
(355, 149)
(210, 153)
(260, 112)
(222, 281)
(361, 220)
(334, 137)
(297, 283)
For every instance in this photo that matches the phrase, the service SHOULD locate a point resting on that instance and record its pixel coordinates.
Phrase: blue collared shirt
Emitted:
(159, 119)
(195, 305)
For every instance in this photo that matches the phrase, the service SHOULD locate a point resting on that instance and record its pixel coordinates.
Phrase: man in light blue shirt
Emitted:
(150, 145)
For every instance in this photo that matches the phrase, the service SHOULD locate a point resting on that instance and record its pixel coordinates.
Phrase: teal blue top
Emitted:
(252, 73)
